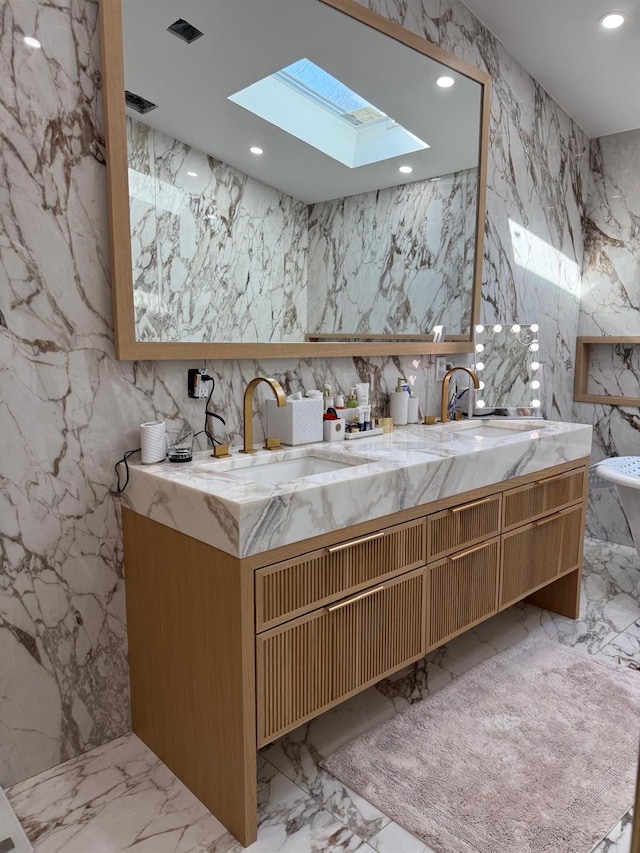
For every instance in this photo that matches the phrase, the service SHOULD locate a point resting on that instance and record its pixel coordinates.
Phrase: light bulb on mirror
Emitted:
(534, 365)
(534, 327)
(497, 328)
(479, 329)
(535, 404)
(515, 328)
(535, 346)
(479, 347)
(479, 366)
(481, 386)
(480, 404)
(535, 384)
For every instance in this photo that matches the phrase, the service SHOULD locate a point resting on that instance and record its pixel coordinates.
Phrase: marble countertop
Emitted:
(383, 474)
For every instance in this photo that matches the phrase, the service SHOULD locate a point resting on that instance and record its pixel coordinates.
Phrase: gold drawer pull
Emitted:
(548, 520)
(333, 548)
(467, 552)
(551, 479)
(554, 516)
(354, 598)
(468, 506)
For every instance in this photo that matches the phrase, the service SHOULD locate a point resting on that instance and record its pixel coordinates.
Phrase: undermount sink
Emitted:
(495, 428)
(271, 471)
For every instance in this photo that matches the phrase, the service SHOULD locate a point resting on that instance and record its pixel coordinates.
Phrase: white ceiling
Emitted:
(593, 73)
(246, 40)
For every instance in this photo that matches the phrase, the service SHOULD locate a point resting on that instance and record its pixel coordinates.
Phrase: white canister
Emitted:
(399, 407)
(333, 430)
(153, 442)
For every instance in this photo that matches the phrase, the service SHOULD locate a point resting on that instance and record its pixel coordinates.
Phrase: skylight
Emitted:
(309, 103)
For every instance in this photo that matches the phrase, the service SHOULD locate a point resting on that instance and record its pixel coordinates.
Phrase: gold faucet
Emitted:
(276, 387)
(444, 407)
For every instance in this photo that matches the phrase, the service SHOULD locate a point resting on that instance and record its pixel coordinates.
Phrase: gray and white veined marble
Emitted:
(217, 256)
(378, 476)
(610, 293)
(609, 306)
(121, 798)
(398, 260)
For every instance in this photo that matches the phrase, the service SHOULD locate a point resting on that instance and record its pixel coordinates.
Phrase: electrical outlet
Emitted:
(197, 386)
(442, 365)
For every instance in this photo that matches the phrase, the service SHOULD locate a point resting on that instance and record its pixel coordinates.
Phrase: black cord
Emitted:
(207, 413)
(123, 461)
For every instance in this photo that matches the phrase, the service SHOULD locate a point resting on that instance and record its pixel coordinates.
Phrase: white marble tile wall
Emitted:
(396, 260)
(217, 255)
(69, 409)
(609, 306)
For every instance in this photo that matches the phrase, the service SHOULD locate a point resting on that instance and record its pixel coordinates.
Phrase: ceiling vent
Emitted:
(185, 31)
(138, 103)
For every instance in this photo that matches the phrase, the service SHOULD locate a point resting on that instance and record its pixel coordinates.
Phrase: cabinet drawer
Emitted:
(539, 552)
(320, 659)
(462, 526)
(294, 587)
(546, 495)
(463, 590)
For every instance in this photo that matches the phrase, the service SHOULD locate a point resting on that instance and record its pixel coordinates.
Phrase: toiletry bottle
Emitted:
(328, 397)
(414, 410)
(399, 404)
(339, 401)
(352, 402)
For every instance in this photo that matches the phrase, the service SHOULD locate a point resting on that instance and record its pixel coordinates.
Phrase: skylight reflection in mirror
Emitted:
(314, 106)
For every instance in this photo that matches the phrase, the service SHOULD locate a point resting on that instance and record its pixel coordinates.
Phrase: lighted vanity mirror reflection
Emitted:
(508, 363)
(293, 244)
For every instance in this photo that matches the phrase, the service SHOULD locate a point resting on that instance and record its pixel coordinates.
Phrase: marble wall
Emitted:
(217, 255)
(397, 260)
(211, 248)
(609, 306)
(69, 409)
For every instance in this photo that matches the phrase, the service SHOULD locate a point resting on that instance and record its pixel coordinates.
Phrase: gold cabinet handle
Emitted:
(472, 504)
(551, 479)
(466, 553)
(333, 548)
(553, 517)
(354, 598)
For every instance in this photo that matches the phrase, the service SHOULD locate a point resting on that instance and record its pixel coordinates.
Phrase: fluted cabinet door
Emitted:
(318, 660)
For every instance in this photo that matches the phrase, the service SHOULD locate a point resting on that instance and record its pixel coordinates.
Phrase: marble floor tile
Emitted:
(120, 797)
(396, 839)
(623, 650)
(619, 839)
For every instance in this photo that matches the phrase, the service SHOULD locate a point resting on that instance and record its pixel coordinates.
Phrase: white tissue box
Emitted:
(299, 422)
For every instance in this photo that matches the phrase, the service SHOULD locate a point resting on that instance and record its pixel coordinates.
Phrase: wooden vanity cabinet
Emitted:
(227, 654)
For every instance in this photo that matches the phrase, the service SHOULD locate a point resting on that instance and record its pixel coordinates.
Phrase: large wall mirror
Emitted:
(289, 178)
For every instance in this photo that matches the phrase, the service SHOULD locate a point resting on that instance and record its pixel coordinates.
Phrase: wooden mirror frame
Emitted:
(126, 345)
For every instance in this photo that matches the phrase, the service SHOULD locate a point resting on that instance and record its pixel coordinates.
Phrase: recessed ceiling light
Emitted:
(31, 42)
(612, 20)
(255, 149)
(445, 82)
(192, 174)
(406, 170)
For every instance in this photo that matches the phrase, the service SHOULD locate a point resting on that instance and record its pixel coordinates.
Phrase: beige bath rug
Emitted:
(533, 751)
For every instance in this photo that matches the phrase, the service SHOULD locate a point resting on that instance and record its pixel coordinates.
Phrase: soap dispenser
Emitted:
(352, 402)
(399, 404)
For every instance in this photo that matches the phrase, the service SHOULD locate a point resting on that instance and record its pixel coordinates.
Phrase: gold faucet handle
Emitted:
(272, 443)
(221, 451)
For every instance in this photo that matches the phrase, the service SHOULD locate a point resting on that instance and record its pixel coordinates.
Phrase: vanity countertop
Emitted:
(384, 474)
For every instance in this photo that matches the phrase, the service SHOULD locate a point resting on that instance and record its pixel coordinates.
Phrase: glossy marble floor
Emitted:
(119, 797)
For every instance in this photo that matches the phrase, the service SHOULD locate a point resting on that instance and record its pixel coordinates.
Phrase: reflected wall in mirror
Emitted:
(508, 363)
(321, 236)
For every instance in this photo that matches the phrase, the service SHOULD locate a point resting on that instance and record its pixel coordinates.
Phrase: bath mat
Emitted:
(12, 837)
(533, 751)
